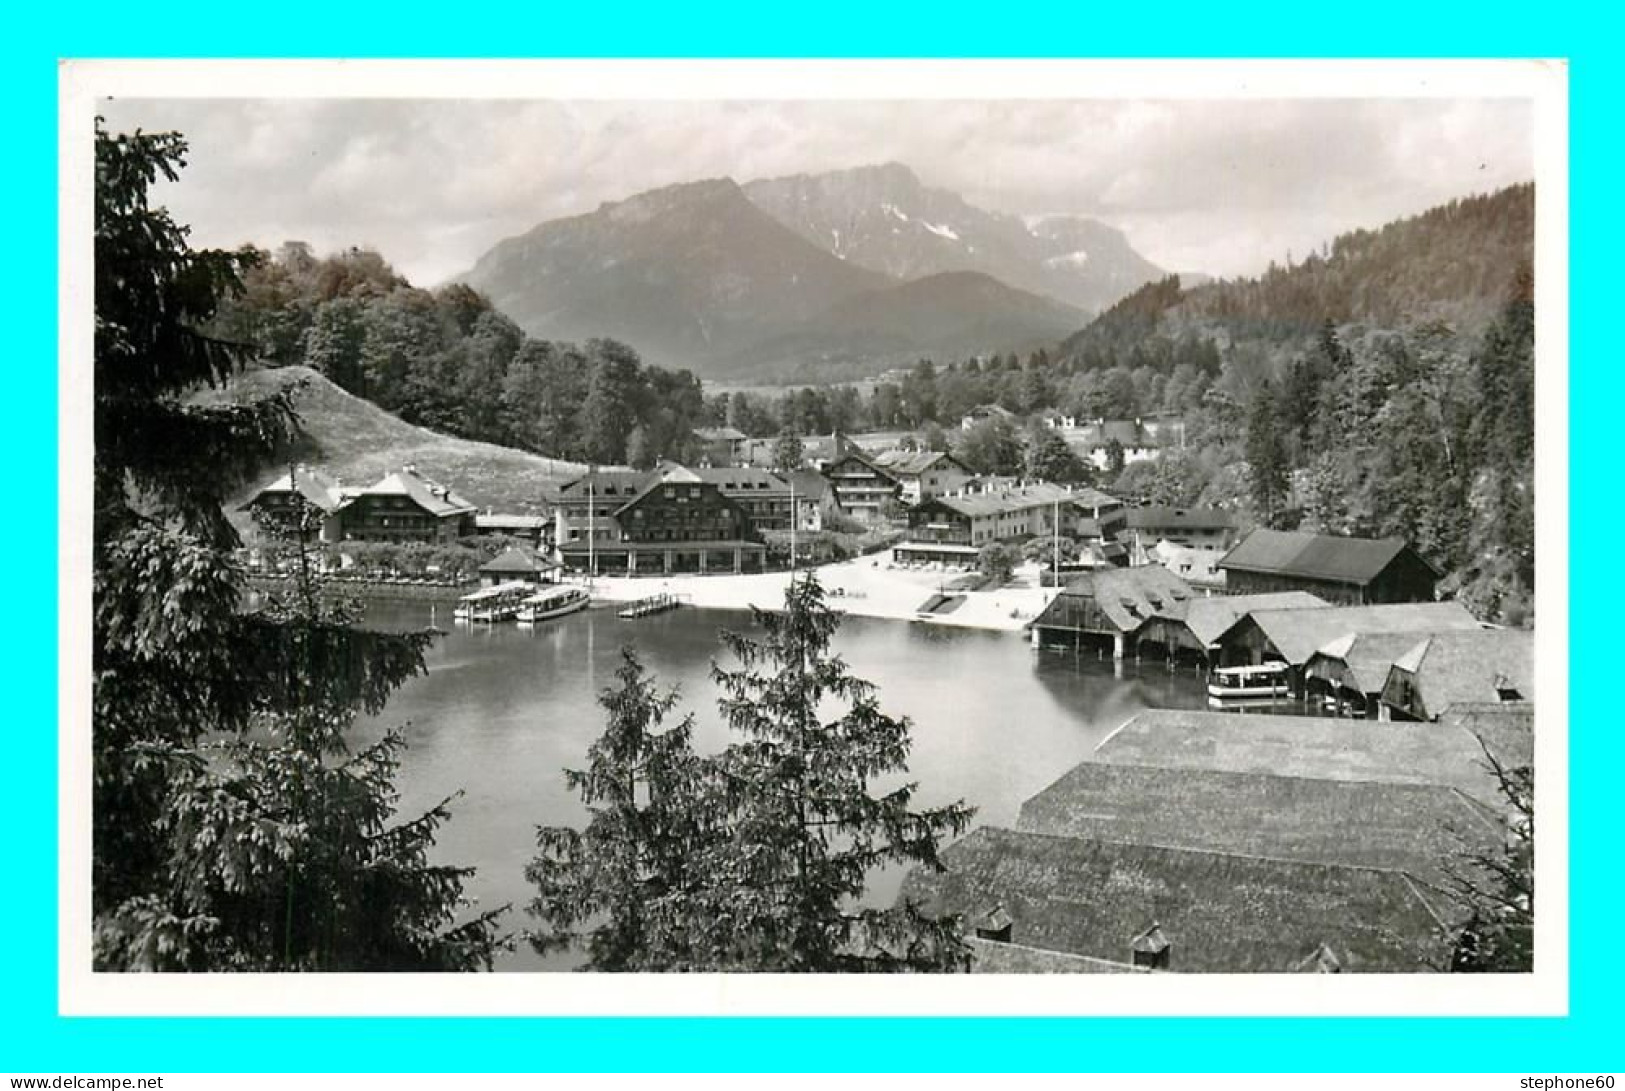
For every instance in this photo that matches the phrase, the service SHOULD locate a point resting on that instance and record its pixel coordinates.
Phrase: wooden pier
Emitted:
(655, 604)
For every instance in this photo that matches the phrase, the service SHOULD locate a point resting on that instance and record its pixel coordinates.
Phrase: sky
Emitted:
(1210, 186)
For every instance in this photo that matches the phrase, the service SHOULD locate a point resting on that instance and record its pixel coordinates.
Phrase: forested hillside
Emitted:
(449, 361)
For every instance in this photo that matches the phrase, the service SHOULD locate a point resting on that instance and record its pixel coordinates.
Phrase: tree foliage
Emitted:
(1496, 889)
(755, 858)
(232, 828)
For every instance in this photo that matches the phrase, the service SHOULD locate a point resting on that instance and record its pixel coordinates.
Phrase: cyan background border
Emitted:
(33, 1038)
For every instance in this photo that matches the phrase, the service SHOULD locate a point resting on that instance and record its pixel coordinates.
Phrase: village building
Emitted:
(1448, 754)
(1349, 571)
(529, 528)
(815, 499)
(276, 506)
(1359, 823)
(862, 489)
(954, 528)
(515, 565)
(981, 413)
(1349, 673)
(1197, 567)
(1203, 912)
(663, 521)
(406, 506)
(1137, 440)
(923, 474)
(765, 496)
(1192, 528)
(1293, 635)
(1490, 666)
(724, 446)
(1110, 604)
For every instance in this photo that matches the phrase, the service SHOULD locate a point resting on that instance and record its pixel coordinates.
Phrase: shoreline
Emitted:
(864, 587)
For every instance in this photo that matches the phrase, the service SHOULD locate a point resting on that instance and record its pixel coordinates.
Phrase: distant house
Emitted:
(278, 503)
(1197, 567)
(1210, 912)
(862, 489)
(406, 506)
(985, 412)
(923, 474)
(1138, 440)
(1293, 635)
(530, 528)
(815, 499)
(1193, 528)
(1491, 666)
(1351, 571)
(517, 566)
(724, 446)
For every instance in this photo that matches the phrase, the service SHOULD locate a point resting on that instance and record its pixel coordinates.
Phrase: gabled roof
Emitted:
(1086, 496)
(316, 487)
(744, 480)
(914, 463)
(1445, 753)
(499, 521)
(1161, 517)
(1368, 657)
(436, 499)
(1355, 561)
(993, 502)
(1412, 827)
(1126, 432)
(1297, 634)
(1195, 566)
(1219, 912)
(1127, 596)
(730, 434)
(1464, 667)
(513, 560)
(601, 483)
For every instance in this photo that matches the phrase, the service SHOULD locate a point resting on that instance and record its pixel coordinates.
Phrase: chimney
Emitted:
(1150, 949)
(995, 925)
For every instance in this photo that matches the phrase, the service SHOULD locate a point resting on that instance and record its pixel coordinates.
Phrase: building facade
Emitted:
(1345, 571)
(405, 506)
(664, 521)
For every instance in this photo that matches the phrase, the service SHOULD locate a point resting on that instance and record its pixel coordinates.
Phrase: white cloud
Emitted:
(1223, 187)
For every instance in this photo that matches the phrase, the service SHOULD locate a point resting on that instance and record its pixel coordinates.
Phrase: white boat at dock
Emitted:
(489, 604)
(1262, 682)
(551, 603)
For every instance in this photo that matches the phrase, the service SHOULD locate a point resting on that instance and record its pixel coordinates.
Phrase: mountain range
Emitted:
(810, 277)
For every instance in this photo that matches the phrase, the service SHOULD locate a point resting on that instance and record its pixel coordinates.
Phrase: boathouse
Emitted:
(1293, 635)
(1198, 628)
(1351, 671)
(1216, 912)
(1447, 755)
(1490, 666)
(1346, 571)
(1110, 604)
(515, 565)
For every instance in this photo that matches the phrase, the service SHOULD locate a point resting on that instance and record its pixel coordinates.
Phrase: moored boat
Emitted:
(492, 603)
(1263, 682)
(552, 602)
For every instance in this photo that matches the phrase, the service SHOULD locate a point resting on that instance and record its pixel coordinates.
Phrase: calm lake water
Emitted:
(503, 710)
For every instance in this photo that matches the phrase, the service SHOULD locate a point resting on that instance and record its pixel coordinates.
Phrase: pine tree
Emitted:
(623, 885)
(805, 825)
(1495, 890)
(230, 828)
(787, 449)
(1267, 455)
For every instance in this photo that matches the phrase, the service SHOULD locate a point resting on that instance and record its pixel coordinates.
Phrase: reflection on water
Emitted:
(503, 710)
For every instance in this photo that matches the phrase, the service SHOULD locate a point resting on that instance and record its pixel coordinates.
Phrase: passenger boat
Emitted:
(497, 603)
(551, 603)
(1265, 681)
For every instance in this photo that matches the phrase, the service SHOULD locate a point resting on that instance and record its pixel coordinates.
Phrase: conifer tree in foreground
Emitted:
(755, 859)
(232, 827)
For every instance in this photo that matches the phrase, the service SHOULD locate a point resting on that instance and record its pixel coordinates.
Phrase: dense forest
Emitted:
(447, 360)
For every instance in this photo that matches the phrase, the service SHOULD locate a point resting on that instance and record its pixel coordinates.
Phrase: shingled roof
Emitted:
(914, 463)
(434, 498)
(1127, 596)
(1211, 617)
(1366, 658)
(1221, 912)
(1160, 516)
(313, 485)
(1329, 557)
(1297, 634)
(1018, 498)
(1450, 668)
(1446, 753)
(517, 562)
(1411, 827)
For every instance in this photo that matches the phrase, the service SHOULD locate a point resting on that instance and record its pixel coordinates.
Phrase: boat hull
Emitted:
(530, 615)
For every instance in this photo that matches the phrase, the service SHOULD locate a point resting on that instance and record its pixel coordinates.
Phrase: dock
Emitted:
(655, 604)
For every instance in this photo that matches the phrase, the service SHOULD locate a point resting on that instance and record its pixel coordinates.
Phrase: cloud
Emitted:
(1218, 186)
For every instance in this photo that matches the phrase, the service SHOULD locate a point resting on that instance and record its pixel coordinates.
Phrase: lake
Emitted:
(504, 709)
